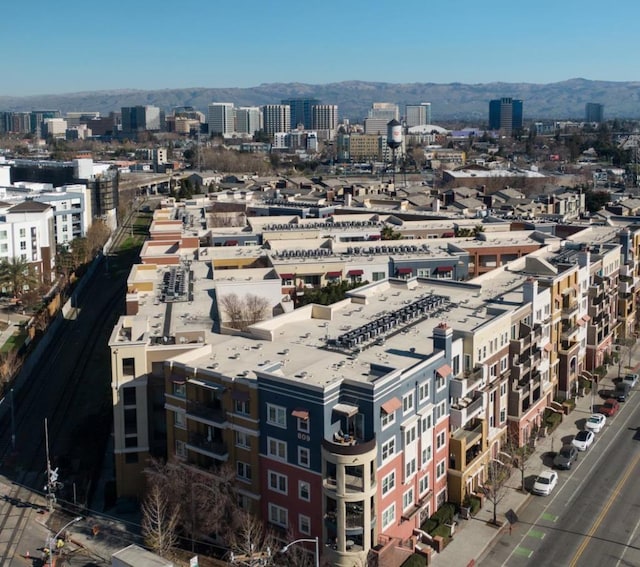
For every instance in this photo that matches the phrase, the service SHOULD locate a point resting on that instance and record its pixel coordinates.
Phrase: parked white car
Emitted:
(595, 422)
(582, 441)
(545, 483)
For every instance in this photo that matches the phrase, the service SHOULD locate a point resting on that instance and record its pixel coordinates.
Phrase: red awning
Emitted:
(444, 269)
(405, 270)
(581, 322)
(300, 413)
(586, 318)
(231, 243)
(548, 347)
(355, 272)
(444, 370)
(287, 276)
(448, 234)
(391, 405)
(334, 274)
(374, 237)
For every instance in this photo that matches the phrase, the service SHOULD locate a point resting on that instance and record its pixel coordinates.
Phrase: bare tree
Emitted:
(232, 306)
(256, 308)
(160, 519)
(242, 312)
(97, 235)
(250, 541)
(495, 487)
(519, 454)
(204, 501)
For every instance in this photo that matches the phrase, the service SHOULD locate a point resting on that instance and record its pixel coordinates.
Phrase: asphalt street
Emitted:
(592, 517)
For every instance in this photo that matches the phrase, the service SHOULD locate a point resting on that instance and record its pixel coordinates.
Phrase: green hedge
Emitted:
(415, 561)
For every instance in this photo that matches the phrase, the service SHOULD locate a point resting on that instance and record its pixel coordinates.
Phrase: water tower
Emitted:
(394, 141)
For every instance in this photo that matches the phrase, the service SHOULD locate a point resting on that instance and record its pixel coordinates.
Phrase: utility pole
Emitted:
(52, 474)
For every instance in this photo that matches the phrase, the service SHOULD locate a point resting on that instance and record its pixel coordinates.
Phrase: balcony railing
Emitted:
(214, 448)
(207, 411)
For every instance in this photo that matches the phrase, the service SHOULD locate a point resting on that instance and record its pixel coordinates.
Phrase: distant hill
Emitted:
(561, 100)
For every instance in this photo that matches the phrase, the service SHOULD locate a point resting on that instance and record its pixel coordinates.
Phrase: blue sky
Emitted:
(70, 46)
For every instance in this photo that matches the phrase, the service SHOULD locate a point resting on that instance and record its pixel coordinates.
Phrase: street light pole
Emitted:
(314, 540)
(52, 543)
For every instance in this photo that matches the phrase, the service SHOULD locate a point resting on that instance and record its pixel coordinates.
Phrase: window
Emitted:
(178, 419)
(23, 245)
(23, 233)
(304, 490)
(276, 415)
(504, 363)
(287, 282)
(410, 435)
(242, 407)
(423, 272)
(180, 389)
(181, 449)
(503, 389)
(243, 470)
(388, 483)
(425, 423)
(441, 409)
(129, 396)
(388, 516)
(423, 392)
(278, 515)
(426, 455)
(503, 415)
(441, 382)
(440, 440)
(303, 425)
(377, 276)
(304, 524)
(277, 482)
(407, 499)
(242, 440)
(407, 402)
(388, 449)
(130, 421)
(276, 448)
(304, 457)
(410, 468)
(423, 485)
(387, 419)
(440, 469)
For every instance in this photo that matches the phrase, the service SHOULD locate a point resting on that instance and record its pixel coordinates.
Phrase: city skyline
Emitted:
(147, 47)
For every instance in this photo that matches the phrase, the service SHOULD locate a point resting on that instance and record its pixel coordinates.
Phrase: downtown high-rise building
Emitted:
(506, 114)
(594, 112)
(220, 117)
(301, 111)
(248, 120)
(324, 117)
(418, 114)
(140, 118)
(276, 118)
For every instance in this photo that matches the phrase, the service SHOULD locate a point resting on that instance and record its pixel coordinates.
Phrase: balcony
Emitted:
(465, 409)
(625, 285)
(349, 447)
(569, 309)
(209, 447)
(569, 331)
(210, 412)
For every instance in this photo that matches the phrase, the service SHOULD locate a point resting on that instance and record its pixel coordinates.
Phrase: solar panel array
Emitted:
(388, 324)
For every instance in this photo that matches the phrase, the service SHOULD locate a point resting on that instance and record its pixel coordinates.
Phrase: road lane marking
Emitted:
(549, 517)
(524, 552)
(605, 510)
(536, 533)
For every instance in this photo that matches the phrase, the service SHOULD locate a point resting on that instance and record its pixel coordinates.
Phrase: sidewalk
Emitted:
(472, 537)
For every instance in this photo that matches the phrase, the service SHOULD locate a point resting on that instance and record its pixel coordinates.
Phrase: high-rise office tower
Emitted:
(385, 110)
(505, 114)
(594, 112)
(220, 117)
(140, 118)
(248, 119)
(301, 111)
(418, 114)
(324, 117)
(276, 118)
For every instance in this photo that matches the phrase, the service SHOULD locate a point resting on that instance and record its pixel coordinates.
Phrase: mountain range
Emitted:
(452, 101)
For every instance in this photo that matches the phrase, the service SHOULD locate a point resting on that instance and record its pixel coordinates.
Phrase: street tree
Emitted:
(519, 454)
(160, 519)
(205, 502)
(250, 541)
(495, 487)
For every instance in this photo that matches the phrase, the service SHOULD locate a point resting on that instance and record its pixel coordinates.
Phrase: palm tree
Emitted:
(17, 275)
